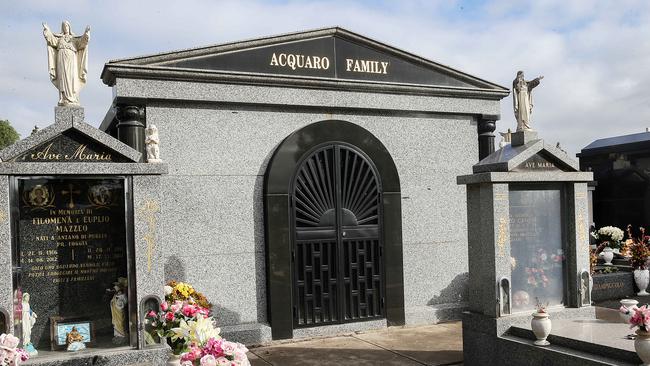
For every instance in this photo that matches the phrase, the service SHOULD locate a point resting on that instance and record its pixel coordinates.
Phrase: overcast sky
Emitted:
(594, 55)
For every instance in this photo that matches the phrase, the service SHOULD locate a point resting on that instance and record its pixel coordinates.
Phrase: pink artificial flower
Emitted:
(24, 356)
(176, 306)
(151, 314)
(222, 361)
(641, 318)
(9, 341)
(193, 354)
(164, 306)
(229, 348)
(208, 360)
(169, 316)
(189, 310)
(213, 347)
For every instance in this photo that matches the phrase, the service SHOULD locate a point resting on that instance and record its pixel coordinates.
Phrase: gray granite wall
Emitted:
(148, 238)
(6, 290)
(212, 200)
(217, 140)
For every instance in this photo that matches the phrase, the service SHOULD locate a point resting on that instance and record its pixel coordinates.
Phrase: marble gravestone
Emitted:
(77, 216)
(528, 242)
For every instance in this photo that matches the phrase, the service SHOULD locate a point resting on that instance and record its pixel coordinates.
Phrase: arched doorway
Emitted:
(337, 249)
(350, 218)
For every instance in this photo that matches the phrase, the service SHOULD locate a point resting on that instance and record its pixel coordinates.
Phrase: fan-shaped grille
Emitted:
(338, 271)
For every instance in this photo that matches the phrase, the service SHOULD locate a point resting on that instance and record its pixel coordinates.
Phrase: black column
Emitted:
(486, 126)
(130, 127)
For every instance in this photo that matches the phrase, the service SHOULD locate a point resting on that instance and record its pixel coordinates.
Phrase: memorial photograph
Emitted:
(279, 183)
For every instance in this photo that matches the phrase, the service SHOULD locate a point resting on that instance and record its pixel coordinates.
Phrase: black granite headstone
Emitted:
(608, 286)
(69, 250)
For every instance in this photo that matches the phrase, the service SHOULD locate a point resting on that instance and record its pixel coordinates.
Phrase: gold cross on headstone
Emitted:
(70, 192)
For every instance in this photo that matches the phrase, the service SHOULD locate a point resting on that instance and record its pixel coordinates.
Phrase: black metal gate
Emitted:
(338, 266)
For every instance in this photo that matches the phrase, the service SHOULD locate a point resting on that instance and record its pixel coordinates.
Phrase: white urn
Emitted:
(541, 325)
(642, 346)
(608, 255)
(642, 279)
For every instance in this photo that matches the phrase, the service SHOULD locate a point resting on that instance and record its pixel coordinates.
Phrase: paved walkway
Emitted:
(439, 344)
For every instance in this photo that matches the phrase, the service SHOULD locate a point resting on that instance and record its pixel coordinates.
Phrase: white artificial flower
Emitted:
(168, 290)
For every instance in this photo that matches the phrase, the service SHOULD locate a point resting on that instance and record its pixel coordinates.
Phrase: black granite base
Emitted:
(612, 286)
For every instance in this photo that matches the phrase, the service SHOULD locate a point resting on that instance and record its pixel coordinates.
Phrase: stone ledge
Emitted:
(337, 329)
(83, 168)
(117, 357)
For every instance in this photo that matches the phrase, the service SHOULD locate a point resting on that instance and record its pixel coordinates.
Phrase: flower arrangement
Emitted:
(640, 253)
(541, 263)
(184, 319)
(10, 354)
(610, 235)
(170, 317)
(180, 307)
(640, 317)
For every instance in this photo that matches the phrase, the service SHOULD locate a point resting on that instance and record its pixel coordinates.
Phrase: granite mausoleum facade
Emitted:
(312, 178)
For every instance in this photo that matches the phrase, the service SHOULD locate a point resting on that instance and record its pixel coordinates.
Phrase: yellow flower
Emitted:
(184, 289)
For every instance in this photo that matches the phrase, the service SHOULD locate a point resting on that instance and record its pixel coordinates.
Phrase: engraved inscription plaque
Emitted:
(537, 254)
(69, 249)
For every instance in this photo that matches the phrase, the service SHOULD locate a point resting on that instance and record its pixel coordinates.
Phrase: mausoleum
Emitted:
(312, 177)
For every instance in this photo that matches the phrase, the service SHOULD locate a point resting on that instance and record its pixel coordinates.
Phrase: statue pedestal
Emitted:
(68, 114)
(523, 137)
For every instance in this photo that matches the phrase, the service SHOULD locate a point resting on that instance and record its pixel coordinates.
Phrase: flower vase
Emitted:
(608, 255)
(642, 278)
(541, 326)
(627, 304)
(174, 360)
(642, 346)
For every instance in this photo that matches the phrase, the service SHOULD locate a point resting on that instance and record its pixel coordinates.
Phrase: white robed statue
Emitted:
(28, 319)
(67, 61)
(522, 99)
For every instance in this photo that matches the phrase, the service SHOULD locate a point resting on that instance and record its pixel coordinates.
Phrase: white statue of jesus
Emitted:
(67, 61)
(522, 100)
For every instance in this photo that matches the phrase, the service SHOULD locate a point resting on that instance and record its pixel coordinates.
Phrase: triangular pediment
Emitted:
(331, 54)
(69, 142)
(534, 156)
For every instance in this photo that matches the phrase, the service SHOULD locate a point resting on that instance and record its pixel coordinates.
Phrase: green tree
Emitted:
(8, 134)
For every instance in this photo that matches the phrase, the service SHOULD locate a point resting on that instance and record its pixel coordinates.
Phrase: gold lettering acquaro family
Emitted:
(79, 154)
(296, 61)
